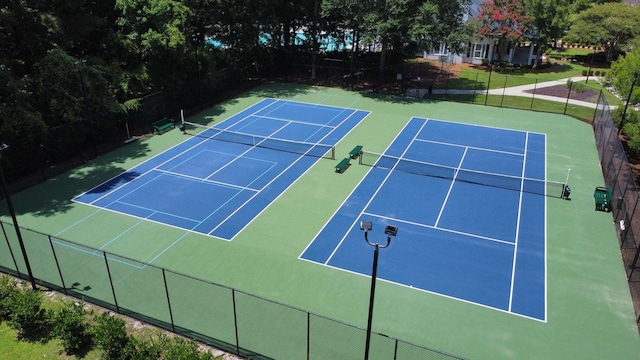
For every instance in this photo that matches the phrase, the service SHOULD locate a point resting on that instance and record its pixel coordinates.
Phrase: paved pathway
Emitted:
(514, 91)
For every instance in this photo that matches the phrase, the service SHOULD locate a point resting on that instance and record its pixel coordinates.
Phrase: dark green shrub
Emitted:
(71, 327)
(8, 288)
(584, 72)
(576, 86)
(138, 349)
(604, 73)
(597, 72)
(27, 317)
(110, 335)
(180, 349)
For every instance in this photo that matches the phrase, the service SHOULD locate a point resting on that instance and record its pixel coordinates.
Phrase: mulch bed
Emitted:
(562, 91)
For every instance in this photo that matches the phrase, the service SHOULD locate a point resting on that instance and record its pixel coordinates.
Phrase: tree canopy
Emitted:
(97, 61)
(612, 25)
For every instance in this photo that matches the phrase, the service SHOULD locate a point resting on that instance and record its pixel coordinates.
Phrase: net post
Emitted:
(566, 191)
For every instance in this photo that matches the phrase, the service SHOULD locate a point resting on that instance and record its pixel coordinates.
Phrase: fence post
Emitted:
(568, 97)
(595, 112)
(475, 84)
(486, 98)
(113, 289)
(4, 232)
(395, 350)
(308, 335)
(504, 88)
(533, 97)
(235, 320)
(55, 258)
(166, 289)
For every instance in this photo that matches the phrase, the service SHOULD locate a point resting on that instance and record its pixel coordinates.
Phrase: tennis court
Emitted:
(469, 202)
(216, 182)
(505, 271)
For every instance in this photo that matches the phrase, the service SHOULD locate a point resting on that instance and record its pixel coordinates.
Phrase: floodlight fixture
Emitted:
(391, 230)
(365, 225)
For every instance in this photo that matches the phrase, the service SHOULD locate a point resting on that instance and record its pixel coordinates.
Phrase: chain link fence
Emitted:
(620, 180)
(229, 319)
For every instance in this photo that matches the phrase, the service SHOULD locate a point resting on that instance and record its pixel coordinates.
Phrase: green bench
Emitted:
(342, 165)
(602, 197)
(355, 152)
(162, 125)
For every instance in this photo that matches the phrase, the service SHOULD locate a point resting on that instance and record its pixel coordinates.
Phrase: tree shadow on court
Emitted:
(54, 195)
(396, 99)
(280, 90)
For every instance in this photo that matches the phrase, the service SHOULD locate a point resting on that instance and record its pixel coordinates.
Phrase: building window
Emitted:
(478, 50)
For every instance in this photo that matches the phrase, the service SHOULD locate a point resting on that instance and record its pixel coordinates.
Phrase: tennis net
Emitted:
(296, 147)
(515, 183)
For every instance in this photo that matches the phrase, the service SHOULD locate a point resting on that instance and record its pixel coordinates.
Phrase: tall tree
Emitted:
(615, 24)
(504, 22)
(549, 20)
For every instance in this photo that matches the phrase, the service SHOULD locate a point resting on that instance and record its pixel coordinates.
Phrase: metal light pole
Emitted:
(592, 56)
(15, 220)
(624, 112)
(390, 231)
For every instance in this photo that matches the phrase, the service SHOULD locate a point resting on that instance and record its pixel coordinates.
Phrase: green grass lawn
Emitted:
(525, 103)
(612, 99)
(15, 349)
(572, 51)
(478, 77)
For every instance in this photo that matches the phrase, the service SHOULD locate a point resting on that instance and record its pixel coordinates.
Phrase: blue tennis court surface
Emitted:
(218, 181)
(464, 232)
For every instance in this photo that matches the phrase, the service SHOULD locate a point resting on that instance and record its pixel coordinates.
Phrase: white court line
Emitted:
(517, 235)
(212, 182)
(152, 158)
(440, 228)
(470, 147)
(453, 181)
(379, 187)
(301, 156)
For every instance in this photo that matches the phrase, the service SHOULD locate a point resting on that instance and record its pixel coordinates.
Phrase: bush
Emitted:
(604, 73)
(28, 318)
(576, 86)
(142, 350)
(8, 289)
(181, 349)
(71, 327)
(597, 72)
(584, 72)
(110, 335)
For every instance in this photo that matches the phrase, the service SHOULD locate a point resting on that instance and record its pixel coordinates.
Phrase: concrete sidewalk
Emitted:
(512, 91)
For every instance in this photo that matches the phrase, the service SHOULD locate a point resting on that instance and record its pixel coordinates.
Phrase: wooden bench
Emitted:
(602, 196)
(342, 165)
(355, 152)
(162, 125)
